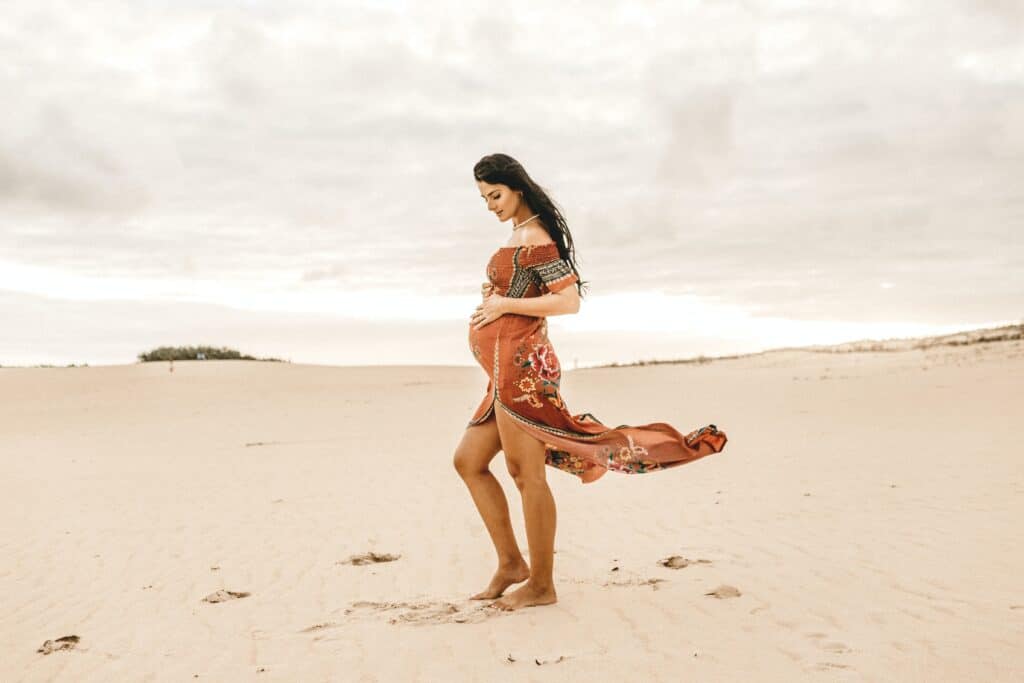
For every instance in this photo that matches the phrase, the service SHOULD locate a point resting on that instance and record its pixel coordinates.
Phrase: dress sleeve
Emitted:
(556, 274)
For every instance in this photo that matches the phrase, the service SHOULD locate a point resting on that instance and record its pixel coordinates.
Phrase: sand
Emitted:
(241, 520)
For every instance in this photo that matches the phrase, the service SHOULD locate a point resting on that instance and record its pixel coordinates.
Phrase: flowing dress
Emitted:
(523, 378)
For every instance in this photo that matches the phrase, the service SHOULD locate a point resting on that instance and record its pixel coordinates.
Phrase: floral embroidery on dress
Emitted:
(544, 361)
(565, 461)
(527, 384)
(519, 358)
(627, 458)
(531, 398)
(540, 373)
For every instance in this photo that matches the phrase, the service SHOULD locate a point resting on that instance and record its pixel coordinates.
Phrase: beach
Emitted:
(862, 524)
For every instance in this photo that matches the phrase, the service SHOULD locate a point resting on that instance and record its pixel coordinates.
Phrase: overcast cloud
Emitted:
(800, 160)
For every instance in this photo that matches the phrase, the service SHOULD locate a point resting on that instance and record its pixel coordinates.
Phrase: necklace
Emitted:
(516, 227)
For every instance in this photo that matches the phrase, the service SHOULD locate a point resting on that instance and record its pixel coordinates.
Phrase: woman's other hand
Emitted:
(492, 308)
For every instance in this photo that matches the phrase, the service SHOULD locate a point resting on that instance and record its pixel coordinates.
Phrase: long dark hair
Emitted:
(501, 169)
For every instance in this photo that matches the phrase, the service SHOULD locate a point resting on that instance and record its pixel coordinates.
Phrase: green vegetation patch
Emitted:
(165, 353)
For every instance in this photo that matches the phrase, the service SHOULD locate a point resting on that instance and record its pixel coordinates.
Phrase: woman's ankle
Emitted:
(511, 563)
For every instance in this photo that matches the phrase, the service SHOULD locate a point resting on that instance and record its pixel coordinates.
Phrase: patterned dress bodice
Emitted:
(529, 270)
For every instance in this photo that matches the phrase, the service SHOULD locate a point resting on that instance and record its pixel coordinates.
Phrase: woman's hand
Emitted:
(492, 308)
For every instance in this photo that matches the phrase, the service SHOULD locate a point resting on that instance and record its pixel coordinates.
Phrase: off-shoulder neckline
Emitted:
(532, 246)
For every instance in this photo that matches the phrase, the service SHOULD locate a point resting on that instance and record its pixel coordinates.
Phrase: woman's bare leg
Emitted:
(480, 443)
(525, 456)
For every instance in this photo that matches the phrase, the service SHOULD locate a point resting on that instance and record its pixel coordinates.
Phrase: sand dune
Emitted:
(863, 524)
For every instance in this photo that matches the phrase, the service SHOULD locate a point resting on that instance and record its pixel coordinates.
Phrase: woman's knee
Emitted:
(525, 476)
(513, 470)
(469, 462)
(478, 447)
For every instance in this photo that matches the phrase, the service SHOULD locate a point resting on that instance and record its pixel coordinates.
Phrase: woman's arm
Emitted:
(565, 300)
(562, 302)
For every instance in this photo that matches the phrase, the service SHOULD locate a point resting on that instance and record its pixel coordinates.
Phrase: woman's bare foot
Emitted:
(503, 578)
(525, 596)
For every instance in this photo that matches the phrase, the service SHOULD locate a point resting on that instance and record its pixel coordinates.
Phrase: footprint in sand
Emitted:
(222, 595)
(422, 612)
(679, 562)
(62, 643)
(369, 558)
(724, 591)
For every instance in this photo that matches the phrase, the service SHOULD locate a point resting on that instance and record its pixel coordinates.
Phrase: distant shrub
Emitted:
(165, 353)
(51, 365)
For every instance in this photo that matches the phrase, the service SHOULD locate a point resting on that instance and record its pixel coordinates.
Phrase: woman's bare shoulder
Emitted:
(530, 236)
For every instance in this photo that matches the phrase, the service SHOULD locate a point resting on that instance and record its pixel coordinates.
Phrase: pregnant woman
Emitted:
(530, 278)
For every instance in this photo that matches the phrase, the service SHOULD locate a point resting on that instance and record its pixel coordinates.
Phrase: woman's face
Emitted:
(501, 200)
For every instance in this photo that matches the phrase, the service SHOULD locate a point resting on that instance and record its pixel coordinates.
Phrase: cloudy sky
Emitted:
(295, 178)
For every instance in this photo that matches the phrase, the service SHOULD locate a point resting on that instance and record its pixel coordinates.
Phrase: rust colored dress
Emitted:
(523, 377)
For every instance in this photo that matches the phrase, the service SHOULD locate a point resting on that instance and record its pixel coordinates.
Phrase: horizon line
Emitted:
(1013, 331)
